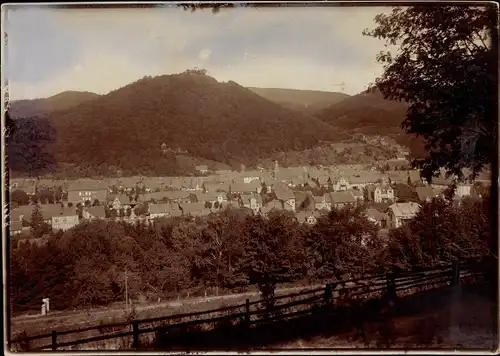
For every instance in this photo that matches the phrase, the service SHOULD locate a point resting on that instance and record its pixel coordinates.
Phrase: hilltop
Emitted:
(370, 114)
(307, 101)
(39, 107)
(190, 113)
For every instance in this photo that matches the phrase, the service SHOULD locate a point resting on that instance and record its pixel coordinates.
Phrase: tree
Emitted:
(96, 202)
(208, 205)
(28, 146)
(342, 241)
(70, 204)
(20, 197)
(273, 251)
(439, 233)
(445, 70)
(38, 225)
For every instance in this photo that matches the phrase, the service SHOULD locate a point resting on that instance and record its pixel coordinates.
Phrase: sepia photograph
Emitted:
(232, 176)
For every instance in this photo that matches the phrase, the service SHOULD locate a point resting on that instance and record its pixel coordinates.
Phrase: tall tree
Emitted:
(38, 226)
(445, 69)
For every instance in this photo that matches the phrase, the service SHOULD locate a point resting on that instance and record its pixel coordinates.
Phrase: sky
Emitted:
(99, 50)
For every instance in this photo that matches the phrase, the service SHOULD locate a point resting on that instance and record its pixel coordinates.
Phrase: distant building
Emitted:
(383, 194)
(203, 169)
(65, 220)
(81, 192)
(399, 213)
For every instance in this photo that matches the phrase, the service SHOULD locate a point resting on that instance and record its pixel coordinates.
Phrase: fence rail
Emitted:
(264, 311)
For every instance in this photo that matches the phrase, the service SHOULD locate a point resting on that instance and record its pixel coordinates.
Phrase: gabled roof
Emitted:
(425, 192)
(342, 197)
(165, 208)
(355, 192)
(375, 214)
(283, 193)
(406, 210)
(245, 187)
(246, 199)
(192, 207)
(209, 196)
(96, 211)
(87, 184)
(176, 194)
(325, 198)
(273, 204)
(122, 198)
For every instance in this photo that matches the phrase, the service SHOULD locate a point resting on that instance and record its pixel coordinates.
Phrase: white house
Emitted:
(398, 213)
(383, 193)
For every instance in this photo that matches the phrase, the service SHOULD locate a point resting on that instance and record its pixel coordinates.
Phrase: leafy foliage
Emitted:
(445, 69)
(28, 147)
(233, 250)
(441, 233)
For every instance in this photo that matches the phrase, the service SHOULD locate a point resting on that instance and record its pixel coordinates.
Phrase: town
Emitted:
(390, 198)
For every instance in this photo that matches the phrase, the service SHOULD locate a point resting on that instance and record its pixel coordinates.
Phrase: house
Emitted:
(398, 213)
(253, 202)
(120, 201)
(65, 219)
(249, 176)
(246, 188)
(152, 197)
(21, 215)
(323, 202)
(440, 183)
(178, 196)
(88, 190)
(211, 197)
(94, 212)
(376, 217)
(195, 209)
(357, 194)
(308, 217)
(286, 197)
(304, 200)
(463, 189)
(210, 186)
(340, 184)
(272, 205)
(425, 193)
(164, 210)
(398, 164)
(203, 168)
(286, 175)
(16, 227)
(383, 193)
(341, 199)
(192, 184)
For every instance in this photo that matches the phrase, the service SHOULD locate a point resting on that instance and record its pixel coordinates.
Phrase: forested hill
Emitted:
(369, 113)
(306, 101)
(190, 112)
(40, 107)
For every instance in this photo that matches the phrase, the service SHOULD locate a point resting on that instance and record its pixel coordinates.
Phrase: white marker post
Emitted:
(44, 309)
(47, 304)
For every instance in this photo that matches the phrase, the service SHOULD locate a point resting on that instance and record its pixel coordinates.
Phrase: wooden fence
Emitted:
(133, 334)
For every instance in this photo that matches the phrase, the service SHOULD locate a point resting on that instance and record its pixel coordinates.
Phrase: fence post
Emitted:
(54, 340)
(247, 312)
(328, 294)
(135, 336)
(455, 273)
(391, 286)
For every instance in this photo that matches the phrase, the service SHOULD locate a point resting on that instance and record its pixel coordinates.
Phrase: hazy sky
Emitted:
(53, 50)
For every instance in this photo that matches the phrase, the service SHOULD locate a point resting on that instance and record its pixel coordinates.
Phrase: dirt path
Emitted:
(33, 324)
